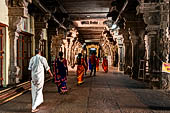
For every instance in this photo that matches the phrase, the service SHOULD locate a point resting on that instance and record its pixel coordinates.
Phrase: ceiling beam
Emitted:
(124, 6)
(82, 13)
(61, 6)
(90, 28)
(91, 33)
(38, 4)
(92, 41)
(90, 36)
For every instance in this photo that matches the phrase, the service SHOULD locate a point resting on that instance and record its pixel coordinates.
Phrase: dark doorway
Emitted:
(23, 56)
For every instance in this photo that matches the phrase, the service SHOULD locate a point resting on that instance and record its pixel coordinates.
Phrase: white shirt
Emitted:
(37, 65)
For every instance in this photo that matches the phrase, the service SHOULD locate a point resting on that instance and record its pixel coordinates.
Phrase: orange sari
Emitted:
(105, 65)
(97, 64)
(80, 72)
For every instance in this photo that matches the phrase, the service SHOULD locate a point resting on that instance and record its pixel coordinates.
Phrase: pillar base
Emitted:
(14, 71)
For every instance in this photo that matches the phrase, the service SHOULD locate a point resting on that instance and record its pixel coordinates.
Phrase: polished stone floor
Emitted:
(111, 92)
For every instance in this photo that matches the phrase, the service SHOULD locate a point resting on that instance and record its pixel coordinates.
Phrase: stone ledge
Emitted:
(18, 11)
(41, 25)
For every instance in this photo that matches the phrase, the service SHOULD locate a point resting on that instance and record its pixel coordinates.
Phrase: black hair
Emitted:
(80, 55)
(60, 53)
(79, 58)
(37, 51)
(94, 53)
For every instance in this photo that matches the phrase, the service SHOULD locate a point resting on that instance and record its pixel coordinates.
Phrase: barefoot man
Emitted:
(37, 65)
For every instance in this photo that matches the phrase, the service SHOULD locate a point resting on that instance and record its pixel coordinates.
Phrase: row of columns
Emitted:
(145, 38)
(71, 46)
(43, 35)
(16, 14)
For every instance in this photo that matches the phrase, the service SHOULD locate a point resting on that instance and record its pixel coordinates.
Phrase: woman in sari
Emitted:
(60, 71)
(97, 64)
(89, 64)
(80, 69)
(105, 64)
(86, 64)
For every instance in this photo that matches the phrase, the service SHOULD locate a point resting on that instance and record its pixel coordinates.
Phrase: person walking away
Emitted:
(90, 67)
(80, 69)
(85, 64)
(105, 64)
(93, 64)
(97, 64)
(61, 72)
(36, 65)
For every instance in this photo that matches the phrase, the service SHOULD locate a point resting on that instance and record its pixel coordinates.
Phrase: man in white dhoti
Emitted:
(37, 65)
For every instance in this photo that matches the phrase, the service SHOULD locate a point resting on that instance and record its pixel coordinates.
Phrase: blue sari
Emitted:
(60, 66)
(90, 66)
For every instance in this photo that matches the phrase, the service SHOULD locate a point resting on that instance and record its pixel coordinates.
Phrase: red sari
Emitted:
(105, 65)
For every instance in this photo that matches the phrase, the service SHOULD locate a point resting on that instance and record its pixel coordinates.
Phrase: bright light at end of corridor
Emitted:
(114, 26)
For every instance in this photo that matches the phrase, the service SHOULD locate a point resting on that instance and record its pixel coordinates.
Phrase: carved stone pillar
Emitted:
(14, 29)
(71, 51)
(119, 39)
(152, 19)
(155, 16)
(138, 50)
(67, 49)
(141, 33)
(40, 25)
(135, 53)
(56, 45)
(128, 52)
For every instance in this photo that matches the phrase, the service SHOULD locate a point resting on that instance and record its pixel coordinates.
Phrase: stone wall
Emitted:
(4, 12)
(4, 21)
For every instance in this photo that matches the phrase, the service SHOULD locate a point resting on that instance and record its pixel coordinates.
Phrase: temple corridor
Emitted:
(112, 92)
(41, 41)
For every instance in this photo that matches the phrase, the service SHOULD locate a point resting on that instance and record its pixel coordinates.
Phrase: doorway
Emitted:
(92, 50)
(23, 56)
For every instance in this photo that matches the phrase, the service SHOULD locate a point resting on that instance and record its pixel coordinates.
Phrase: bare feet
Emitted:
(35, 110)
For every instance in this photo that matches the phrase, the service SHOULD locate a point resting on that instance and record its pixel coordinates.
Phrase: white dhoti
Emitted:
(36, 65)
(37, 96)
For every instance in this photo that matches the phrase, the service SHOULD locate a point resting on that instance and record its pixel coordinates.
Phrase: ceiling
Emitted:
(90, 30)
(88, 10)
(83, 9)
(83, 12)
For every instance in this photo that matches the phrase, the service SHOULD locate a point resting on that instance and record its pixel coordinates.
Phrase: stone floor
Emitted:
(111, 92)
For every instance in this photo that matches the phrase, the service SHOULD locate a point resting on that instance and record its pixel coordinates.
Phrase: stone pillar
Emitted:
(50, 59)
(156, 17)
(138, 51)
(71, 51)
(120, 52)
(128, 52)
(14, 29)
(64, 48)
(111, 52)
(52, 43)
(152, 19)
(142, 49)
(56, 45)
(40, 26)
(67, 50)
(135, 55)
